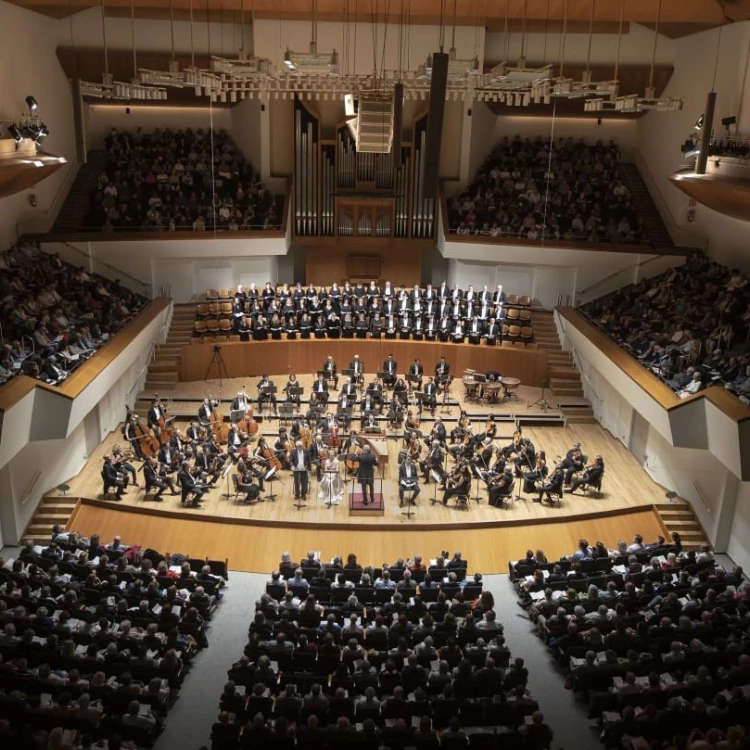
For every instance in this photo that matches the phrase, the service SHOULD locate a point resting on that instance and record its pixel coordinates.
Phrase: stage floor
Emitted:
(626, 487)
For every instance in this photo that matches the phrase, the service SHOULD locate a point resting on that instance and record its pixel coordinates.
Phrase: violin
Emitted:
(454, 478)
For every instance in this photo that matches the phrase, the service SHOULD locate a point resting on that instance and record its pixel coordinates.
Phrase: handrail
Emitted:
(33, 484)
(702, 497)
(151, 357)
(118, 271)
(617, 273)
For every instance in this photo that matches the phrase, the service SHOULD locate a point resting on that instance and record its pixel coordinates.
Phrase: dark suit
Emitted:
(188, 484)
(301, 477)
(113, 479)
(408, 481)
(366, 475)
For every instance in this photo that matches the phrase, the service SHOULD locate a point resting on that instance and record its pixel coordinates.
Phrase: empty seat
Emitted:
(512, 314)
(512, 299)
(225, 325)
(203, 310)
(212, 294)
(199, 328)
(213, 326)
(226, 308)
(525, 315)
(524, 301)
(527, 334)
(514, 333)
(214, 309)
(224, 339)
(223, 293)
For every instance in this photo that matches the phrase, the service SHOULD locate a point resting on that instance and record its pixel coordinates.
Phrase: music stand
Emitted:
(236, 415)
(409, 513)
(225, 475)
(294, 393)
(270, 478)
(477, 498)
(519, 496)
(267, 390)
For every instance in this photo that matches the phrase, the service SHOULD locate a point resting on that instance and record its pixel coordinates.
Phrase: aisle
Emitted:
(189, 723)
(566, 715)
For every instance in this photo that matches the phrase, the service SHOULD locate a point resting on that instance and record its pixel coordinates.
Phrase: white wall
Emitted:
(154, 35)
(28, 41)
(101, 118)
(661, 134)
(246, 130)
(636, 47)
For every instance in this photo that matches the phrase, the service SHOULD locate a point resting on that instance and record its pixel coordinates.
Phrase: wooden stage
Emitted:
(252, 537)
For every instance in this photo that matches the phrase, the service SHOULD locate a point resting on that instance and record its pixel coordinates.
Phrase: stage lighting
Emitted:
(727, 121)
(31, 103)
(699, 123)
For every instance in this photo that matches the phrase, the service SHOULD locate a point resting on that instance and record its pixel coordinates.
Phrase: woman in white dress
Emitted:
(331, 486)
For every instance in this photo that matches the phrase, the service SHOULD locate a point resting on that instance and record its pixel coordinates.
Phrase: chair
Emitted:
(225, 325)
(199, 328)
(513, 314)
(524, 301)
(525, 315)
(462, 501)
(527, 334)
(212, 294)
(223, 293)
(226, 308)
(107, 488)
(202, 310)
(593, 488)
(213, 326)
(214, 309)
(514, 333)
(512, 299)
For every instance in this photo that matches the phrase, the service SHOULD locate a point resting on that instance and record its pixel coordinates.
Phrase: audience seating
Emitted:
(524, 191)
(89, 631)
(653, 637)
(54, 316)
(162, 181)
(689, 325)
(358, 664)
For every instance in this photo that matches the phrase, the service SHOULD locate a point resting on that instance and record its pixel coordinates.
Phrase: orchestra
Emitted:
(469, 448)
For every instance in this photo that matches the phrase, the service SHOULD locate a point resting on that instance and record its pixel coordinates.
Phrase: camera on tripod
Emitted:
(217, 348)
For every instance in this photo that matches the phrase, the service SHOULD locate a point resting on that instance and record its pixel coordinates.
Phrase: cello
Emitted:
(219, 428)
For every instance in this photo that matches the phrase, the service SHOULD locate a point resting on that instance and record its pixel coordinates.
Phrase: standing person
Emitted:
(331, 487)
(366, 474)
(300, 462)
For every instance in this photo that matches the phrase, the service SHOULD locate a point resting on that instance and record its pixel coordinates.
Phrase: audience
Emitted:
(168, 180)
(525, 189)
(690, 325)
(55, 316)
(664, 663)
(95, 641)
(396, 671)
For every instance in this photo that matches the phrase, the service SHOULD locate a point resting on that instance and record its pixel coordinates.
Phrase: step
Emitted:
(52, 517)
(687, 525)
(676, 504)
(573, 402)
(566, 392)
(65, 500)
(579, 420)
(672, 515)
(560, 373)
(162, 367)
(40, 530)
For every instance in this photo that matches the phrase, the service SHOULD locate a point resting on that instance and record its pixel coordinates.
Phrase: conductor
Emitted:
(366, 474)
(300, 464)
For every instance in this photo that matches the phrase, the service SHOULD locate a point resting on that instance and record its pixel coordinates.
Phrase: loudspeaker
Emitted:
(398, 119)
(438, 85)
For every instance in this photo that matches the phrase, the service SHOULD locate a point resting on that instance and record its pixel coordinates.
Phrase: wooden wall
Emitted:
(282, 357)
(326, 260)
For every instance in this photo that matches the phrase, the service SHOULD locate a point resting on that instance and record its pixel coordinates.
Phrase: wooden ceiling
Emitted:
(678, 17)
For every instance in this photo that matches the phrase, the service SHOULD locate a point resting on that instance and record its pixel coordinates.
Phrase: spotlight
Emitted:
(727, 121)
(15, 133)
(31, 103)
(699, 123)
(43, 132)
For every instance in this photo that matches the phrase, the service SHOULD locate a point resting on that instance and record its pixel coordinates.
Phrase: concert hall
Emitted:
(374, 374)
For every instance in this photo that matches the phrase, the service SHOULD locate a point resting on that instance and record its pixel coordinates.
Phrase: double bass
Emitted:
(149, 444)
(219, 428)
(166, 430)
(247, 424)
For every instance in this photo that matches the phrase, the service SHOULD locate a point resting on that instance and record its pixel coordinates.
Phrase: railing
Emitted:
(30, 489)
(182, 228)
(119, 271)
(137, 383)
(579, 364)
(700, 494)
(615, 274)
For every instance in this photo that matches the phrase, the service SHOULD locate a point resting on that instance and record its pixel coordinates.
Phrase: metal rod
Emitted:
(708, 125)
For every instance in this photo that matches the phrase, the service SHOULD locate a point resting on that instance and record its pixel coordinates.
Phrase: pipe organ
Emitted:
(339, 192)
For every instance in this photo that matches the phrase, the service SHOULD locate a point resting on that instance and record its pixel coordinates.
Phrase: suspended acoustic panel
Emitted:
(24, 167)
(726, 194)
(375, 125)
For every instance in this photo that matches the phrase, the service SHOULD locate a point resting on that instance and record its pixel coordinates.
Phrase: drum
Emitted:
(510, 385)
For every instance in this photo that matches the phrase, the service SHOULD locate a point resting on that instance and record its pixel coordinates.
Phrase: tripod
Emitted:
(542, 402)
(218, 360)
(409, 503)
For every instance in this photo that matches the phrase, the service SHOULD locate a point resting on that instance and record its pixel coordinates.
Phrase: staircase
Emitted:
(78, 201)
(651, 220)
(564, 379)
(679, 516)
(53, 509)
(164, 371)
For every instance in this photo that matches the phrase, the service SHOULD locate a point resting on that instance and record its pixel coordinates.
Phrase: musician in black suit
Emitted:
(475, 330)
(320, 391)
(442, 370)
(358, 368)
(366, 474)
(263, 395)
(501, 488)
(155, 414)
(591, 475)
(408, 481)
(329, 368)
(493, 332)
(430, 395)
(151, 474)
(416, 371)
(204, 412)
(460, 482)
(300, 465)
(438, 432)
(241, 402)
(390, 369)
(190, 485)
(113, 478)
(553, 485)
